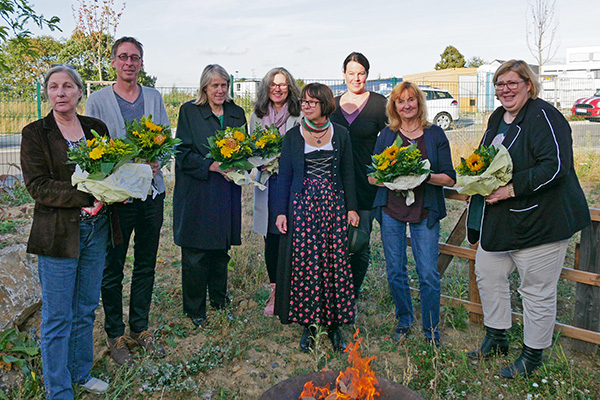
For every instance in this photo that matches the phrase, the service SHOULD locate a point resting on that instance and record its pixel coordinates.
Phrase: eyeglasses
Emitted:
(510, 85)
(278, 85)
(134, 57)
(310, 103)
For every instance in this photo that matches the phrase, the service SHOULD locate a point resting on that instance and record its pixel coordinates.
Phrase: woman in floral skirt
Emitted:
(315, 203)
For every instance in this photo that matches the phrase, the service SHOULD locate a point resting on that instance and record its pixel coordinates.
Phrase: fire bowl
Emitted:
(291, 388)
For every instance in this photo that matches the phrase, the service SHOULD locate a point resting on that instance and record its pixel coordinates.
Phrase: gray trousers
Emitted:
(539, 268)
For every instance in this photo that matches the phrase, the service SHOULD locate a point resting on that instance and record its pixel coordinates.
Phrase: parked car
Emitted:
(442, 108)
(588, 107)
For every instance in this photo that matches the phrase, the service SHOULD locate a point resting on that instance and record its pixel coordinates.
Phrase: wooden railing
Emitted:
(586, 272)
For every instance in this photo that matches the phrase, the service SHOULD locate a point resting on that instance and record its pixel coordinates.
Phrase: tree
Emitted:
(475, 62)
(541, 31)
(451, 58)
(17, 14)
(97, 22)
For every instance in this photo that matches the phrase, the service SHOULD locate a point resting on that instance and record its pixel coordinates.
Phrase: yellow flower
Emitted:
(220, 143)
(136, 133)
(384, 165)
(232, 144)
(91, 142)
(475, 162)
(227, 151)
(96, 153)
(239, 136)
(159, 139)
(261, 143)
(152, 126)
(391, 152)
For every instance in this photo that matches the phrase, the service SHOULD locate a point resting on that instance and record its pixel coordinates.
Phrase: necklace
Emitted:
(313, 128)
(411, 131)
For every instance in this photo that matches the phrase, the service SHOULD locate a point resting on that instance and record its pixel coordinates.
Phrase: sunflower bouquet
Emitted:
(266, 150)
(103, 169)
(400, 168)
(154, 141)
(232, 148)
(484, 171)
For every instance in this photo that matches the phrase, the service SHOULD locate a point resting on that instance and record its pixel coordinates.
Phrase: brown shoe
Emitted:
(119, 351)
(148, 342)
(270, 306)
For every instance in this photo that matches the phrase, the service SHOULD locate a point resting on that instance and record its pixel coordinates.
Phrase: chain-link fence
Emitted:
(473, 99)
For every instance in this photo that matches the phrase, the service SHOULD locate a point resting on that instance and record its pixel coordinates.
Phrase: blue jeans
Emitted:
(70, 295)
(424, 242)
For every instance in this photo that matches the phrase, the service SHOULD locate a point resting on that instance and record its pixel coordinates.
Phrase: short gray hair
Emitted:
(67, 69)
(210, 71)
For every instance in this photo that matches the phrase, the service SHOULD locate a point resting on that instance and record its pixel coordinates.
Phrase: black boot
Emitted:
(529, 360)
(495, 341)
(337, 340)
(307, 341)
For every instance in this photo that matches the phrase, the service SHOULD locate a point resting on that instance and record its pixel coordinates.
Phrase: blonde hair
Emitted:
(210, 71)
(524, 71)
(397, 92)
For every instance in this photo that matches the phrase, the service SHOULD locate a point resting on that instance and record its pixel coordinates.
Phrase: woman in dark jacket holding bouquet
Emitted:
(69, 234)
(316, 201)
(527, 223)
(207, 210)
(407, 112)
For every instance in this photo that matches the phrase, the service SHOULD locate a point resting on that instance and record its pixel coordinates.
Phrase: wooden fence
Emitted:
(586, 272)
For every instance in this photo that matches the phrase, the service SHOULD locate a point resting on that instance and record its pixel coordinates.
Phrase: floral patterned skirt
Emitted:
(321, 283)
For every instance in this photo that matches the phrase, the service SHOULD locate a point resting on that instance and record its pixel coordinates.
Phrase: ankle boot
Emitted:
(307, 341)
(529, 360)
(495, 341)
(337, 340)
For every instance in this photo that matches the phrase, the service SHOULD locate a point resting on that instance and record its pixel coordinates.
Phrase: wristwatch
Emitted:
(511, 190)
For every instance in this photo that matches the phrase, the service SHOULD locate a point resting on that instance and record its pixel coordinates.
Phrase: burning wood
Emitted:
(356, 383)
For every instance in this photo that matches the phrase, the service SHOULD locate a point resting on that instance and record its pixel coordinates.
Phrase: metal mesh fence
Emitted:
(474, 97)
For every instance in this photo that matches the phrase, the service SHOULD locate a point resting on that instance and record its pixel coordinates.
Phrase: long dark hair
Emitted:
(261, 107)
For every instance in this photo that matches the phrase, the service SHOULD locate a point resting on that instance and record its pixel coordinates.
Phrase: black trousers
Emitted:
(202, 270)
(359, 262)
(145, 218)
(272, 255)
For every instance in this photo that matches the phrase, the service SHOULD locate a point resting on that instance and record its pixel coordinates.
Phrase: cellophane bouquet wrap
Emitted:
(232, 148)
(266, 150)
(400, 168)
(485, 170)
(153, 141)
(103, 170)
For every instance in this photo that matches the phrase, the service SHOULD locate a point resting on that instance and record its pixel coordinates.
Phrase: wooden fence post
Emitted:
(587, 297)
(474, 290)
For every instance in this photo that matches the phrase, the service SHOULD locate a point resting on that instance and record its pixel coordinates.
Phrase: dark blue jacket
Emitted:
(291, 168)
(438, 153)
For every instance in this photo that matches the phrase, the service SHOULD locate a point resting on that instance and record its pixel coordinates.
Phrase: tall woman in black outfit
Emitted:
(206, 203)
(315, 202)
(363, 114)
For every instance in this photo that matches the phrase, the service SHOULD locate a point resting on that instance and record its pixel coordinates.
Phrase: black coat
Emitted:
(206, 207)
(549, 204)
(55, 229)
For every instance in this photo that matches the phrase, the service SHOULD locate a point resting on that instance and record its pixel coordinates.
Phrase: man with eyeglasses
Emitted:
(126, 100)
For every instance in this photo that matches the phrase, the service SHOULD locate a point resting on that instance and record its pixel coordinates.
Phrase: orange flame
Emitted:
(356, 383)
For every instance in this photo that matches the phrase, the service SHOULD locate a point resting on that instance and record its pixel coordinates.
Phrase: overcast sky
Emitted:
(311, 38)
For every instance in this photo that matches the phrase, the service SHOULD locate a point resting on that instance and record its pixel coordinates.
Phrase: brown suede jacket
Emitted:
(47, 176)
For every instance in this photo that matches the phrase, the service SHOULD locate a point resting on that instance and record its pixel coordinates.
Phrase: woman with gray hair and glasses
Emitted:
(69, 234)
(278, 104)
(207, 210)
